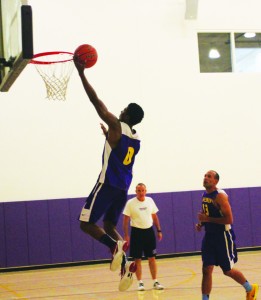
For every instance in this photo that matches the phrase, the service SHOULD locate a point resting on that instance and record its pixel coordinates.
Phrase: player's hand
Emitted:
(104, 129)
(80, 66)
(198, 227)
(202, 217)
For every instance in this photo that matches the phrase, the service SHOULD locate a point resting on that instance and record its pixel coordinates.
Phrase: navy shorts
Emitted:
(142, 241)
(219, 249)
(106, 201)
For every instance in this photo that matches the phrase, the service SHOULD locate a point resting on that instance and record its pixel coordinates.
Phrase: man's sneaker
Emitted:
(118, 252)
(141, 287)
(252, 295)
(127, 276)
(158, 286)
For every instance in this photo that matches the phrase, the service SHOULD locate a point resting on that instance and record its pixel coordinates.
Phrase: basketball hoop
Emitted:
(55, 69)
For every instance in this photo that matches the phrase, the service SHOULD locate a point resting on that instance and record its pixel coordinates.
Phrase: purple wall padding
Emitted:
(81, 243)
(47, 231)
(197, 206)
(60, 230)
(2, 238)
(17, 252)
(38, 232)
(165, 205)
(183, 220)
(255, 211)
(240, 203)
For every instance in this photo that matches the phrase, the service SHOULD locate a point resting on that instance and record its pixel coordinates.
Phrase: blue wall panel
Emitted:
(165, 205)
(38, 232)
(60, 230)
(47, 231)
(196, 205)
(240, 204)
(2, 237)
(101, 251)
(82, 244)
(183, 222)
(16, 234)
(255, 218)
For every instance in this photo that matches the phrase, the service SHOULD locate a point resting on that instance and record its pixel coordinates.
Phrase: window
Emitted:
(229, 52)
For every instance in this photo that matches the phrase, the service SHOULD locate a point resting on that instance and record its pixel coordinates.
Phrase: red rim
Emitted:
(40, 62)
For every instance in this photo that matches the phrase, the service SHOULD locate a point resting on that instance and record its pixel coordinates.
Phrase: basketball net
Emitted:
(55, 68)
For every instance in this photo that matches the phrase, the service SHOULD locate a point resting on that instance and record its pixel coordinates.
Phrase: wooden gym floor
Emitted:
(181, 277)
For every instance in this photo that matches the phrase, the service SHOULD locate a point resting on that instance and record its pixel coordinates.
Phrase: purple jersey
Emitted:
(117, 163)
(210, 209)
(218, 245)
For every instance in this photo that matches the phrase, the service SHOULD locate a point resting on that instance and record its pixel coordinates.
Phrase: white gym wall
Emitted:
(148, 54)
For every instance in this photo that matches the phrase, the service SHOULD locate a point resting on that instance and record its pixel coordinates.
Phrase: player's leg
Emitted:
(153, 271)
(229, 258)
(110, 221)
(96, 205)
(206, 284)
(114, 211)
(150, 252)
(111, 230)
(139, 274)
(139, 268)
(209, 261)
(92, 229)
(251, 289)
(227, 254)
(236, 275)
(153, 267)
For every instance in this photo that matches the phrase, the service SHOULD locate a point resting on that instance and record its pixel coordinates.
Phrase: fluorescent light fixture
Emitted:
(213, 54)
(191, 9)
(249, 35)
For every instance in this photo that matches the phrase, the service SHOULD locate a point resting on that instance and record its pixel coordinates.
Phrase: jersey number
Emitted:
(128, 157)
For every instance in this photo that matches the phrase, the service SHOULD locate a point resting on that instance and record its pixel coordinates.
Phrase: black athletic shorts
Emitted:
(142, 242)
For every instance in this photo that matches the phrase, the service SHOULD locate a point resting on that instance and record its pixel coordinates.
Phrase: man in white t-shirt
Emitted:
(141, 213)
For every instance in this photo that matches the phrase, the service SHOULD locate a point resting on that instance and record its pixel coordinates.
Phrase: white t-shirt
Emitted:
(140, 212)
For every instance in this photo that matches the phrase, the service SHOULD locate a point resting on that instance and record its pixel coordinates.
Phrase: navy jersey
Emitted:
(117, 163)
(210, 209)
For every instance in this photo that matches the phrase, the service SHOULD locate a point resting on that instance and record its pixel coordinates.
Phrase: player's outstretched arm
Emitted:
(100, 107)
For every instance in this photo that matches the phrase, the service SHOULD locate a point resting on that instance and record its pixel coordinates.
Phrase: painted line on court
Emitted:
(14, 293)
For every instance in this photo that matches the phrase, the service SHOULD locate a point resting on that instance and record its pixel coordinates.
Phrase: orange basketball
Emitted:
(87, 55)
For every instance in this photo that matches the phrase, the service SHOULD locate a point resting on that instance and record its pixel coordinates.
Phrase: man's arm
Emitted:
(156, 222)
(225, 208)
(114, 131)
(126, 221)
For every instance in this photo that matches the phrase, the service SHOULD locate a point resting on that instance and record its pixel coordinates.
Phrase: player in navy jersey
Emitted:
(218, 244)
(109, 195)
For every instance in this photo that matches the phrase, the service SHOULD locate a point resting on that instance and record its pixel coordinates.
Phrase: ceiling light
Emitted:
(213, 54)
(249, 35)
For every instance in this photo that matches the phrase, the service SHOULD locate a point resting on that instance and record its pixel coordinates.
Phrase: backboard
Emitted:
(16, 40)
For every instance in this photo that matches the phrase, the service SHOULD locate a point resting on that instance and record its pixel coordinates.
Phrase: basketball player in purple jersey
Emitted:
(218, 245)
(109, 195)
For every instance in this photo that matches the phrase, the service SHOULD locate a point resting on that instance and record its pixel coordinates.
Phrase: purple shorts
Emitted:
(219, 249)
(106, 201)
